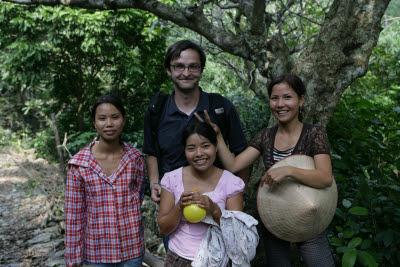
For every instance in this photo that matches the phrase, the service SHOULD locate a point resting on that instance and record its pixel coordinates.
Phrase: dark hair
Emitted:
(201, 128)
(294, 82)
(111, 99)
(174, 51)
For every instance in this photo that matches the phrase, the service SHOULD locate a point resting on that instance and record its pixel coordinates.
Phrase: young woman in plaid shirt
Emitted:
(104, 192)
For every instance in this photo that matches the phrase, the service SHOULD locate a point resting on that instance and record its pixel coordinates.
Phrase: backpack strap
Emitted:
(217, 106)
(155, 108)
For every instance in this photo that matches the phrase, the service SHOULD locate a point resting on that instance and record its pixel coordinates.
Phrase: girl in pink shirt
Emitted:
(216, 189)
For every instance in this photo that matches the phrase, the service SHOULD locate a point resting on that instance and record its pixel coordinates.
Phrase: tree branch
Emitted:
(257, 19)
(280, 15)
(191, 17)
(228, 6)
(236, 69)
(300, 14)
(303, 44)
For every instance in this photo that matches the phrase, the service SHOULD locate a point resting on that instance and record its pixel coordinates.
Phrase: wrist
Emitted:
(290, 171)
(217, 213)
(179, 206)
(217, 217)
(153, 184)
(220, 137)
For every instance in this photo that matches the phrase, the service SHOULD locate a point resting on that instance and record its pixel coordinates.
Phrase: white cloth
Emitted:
(236, 238)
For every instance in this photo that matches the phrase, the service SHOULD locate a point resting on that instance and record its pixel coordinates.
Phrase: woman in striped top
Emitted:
(289, 137)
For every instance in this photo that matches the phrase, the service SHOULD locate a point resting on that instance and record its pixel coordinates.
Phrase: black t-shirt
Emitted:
(173, 122)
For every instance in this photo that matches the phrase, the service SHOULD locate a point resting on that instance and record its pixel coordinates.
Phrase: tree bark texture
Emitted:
(339, 54)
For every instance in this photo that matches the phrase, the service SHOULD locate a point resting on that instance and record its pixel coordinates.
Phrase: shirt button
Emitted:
(85, 164)
(101, 175)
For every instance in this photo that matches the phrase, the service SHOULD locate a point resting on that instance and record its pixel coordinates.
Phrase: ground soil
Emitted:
(28, 236)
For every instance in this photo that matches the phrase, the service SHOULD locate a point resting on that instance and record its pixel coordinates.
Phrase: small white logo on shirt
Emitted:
(219, 110)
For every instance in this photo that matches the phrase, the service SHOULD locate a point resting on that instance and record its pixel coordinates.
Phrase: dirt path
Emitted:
(28, 236)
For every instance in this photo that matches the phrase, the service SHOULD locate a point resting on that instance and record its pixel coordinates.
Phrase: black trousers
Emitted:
(315, 252)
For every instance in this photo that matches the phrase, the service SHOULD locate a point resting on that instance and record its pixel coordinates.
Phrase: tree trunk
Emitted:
(339, 55)
(81, 123)
(58, 146)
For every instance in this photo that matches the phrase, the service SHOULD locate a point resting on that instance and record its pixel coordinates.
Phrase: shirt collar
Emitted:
(84, 157)
(201, 106)
(124, 145)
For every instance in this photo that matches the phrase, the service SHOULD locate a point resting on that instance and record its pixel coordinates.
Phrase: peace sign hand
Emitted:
(208, 120)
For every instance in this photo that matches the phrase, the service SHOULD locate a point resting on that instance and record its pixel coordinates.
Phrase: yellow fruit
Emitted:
(194, 213)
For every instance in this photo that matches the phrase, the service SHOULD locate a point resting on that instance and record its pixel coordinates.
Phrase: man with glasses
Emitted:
(184, 63)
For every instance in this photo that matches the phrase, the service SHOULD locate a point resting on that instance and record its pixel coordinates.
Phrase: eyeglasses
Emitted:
(181, 68)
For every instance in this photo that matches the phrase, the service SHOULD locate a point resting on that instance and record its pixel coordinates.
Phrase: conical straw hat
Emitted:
(293, 211)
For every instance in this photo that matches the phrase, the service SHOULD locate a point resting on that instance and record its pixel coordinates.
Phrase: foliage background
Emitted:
(59, 60)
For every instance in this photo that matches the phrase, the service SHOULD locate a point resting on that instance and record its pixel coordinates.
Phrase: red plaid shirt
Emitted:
(103, 216)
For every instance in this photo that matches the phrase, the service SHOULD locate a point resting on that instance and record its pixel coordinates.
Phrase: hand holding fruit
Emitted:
(199, 206)
(192, 212)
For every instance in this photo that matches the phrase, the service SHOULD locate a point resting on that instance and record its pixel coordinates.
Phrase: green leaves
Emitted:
(366, 154)
(354, 210)
(346, 203)
(351, 254)
(349, 258)
(335, 242)
(67, 57)
(348, 234)
(355, 242)
(358, 211)
(349, 240)
(386, 237)
(367, 259)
